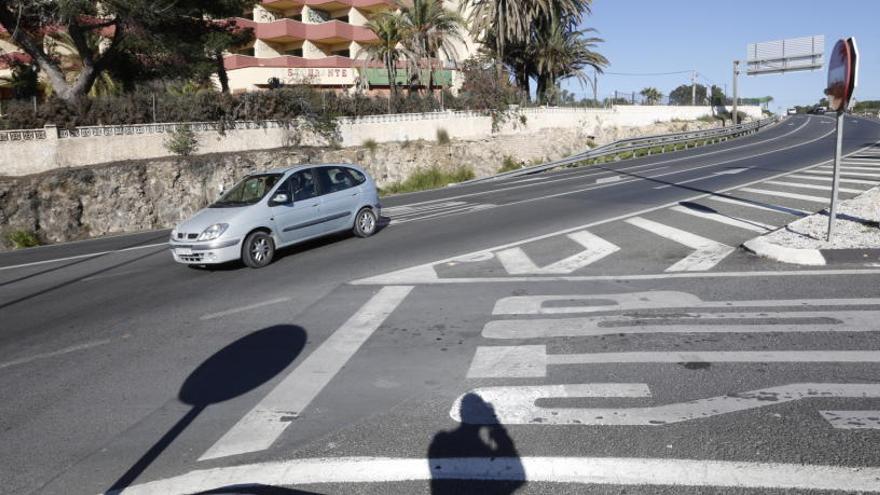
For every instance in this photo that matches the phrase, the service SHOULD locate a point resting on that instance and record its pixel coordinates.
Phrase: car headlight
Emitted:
(213, 232)
(174, 233)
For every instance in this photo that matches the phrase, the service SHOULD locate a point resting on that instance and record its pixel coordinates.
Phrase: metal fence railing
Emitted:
(634, 145)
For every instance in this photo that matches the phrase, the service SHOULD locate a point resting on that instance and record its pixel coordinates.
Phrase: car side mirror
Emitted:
(280, 199)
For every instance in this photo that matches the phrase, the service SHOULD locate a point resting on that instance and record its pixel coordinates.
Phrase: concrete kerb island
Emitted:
(32, 151)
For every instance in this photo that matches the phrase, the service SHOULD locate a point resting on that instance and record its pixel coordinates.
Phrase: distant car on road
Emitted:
(270, 210)
(791, 111)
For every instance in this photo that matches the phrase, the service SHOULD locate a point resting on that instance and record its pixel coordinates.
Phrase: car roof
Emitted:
(301, 166)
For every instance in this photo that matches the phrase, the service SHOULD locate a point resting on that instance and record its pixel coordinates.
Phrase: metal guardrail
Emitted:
(636, 144)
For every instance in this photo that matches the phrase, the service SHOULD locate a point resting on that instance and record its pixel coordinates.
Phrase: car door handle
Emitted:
(355, 194)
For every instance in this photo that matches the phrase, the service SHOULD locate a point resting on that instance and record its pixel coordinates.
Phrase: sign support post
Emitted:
(832, 214)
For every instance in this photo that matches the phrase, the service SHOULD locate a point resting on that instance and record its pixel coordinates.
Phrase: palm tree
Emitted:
(63, 46)
(429, 29)
(388, 50)
(507, 28)
(561, 51)
(651, 95)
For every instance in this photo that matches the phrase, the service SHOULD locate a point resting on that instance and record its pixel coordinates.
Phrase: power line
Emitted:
(646, 73)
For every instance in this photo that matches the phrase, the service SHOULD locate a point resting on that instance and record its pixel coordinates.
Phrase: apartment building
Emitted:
(320, 42)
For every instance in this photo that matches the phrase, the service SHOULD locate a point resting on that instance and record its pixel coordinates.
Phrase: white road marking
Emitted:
(843, 173)
(660, 299)
(761, 206)
(850, 167)
(265, 422)
(811, 186)
(727, 220)
(783, 194)
(531, 361)
(240, 309)
(684, 322)
(516, 405)
(731, 171)
(44, 355)
(81, 256)
(454, 211)
(606, 180)
(707, 254)
(628, 471)
(853, 420)
(425, 273)
(829, 179)
(517, 262)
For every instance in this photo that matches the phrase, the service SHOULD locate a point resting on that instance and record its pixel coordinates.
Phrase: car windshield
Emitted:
(247, 191)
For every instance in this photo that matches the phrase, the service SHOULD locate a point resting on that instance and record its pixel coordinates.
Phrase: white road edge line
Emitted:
(219, 314)
(751, 225)
(260, 427)
(581, 470)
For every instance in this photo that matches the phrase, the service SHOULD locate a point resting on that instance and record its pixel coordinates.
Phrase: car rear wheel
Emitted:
(365, 223)
(258, 250)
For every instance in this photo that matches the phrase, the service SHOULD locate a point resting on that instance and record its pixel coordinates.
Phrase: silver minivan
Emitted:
(270, 210)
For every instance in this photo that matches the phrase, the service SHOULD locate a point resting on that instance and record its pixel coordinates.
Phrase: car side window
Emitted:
(356, 175)
(334, 179)
(303, 185)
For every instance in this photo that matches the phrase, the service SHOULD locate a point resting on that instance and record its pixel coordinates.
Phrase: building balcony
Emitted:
(288, 30)
(233, 62)
(328, 4)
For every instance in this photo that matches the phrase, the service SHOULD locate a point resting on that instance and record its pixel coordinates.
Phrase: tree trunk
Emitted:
(221, 71)
(541, 90)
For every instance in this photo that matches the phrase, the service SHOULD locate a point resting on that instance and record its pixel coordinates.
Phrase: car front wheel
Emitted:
(365, 223)
(258, 250)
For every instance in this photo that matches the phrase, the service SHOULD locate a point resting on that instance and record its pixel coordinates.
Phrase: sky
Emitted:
(649, 36)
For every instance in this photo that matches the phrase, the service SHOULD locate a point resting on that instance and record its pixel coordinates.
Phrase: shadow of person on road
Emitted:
(477, 457)
(232, 371)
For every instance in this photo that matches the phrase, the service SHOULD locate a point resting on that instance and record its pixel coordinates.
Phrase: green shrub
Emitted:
(371, 145)
(20, 239)
(442, 136)
(508, 164)
(429, 178)
(182, 141)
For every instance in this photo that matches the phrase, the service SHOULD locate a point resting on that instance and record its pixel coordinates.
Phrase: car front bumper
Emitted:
(219, 251)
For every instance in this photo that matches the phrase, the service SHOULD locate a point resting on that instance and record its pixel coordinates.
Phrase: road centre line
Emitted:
(60, 352)
(219, 314)
(81, 256)
(532, 361)
(627, 471)
(260, 427)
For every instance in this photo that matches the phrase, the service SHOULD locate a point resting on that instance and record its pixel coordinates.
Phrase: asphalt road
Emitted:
(588, 330)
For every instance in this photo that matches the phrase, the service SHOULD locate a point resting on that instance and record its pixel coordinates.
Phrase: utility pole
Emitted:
(596, 87)
(694, 88)
(735, 94)
(634, 98)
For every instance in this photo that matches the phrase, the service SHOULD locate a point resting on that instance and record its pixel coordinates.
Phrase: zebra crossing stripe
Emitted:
(851, 167)
(812, 186)
(707, 254)
(516, 405)
(684, 322)
(517, 262)
(783, 194)
(727, 220)
(531, 361)
(842, 172)
(761, 206)
(853, 420)
(828, 179)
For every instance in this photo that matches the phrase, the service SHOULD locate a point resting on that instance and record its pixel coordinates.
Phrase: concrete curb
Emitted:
(765, 249)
